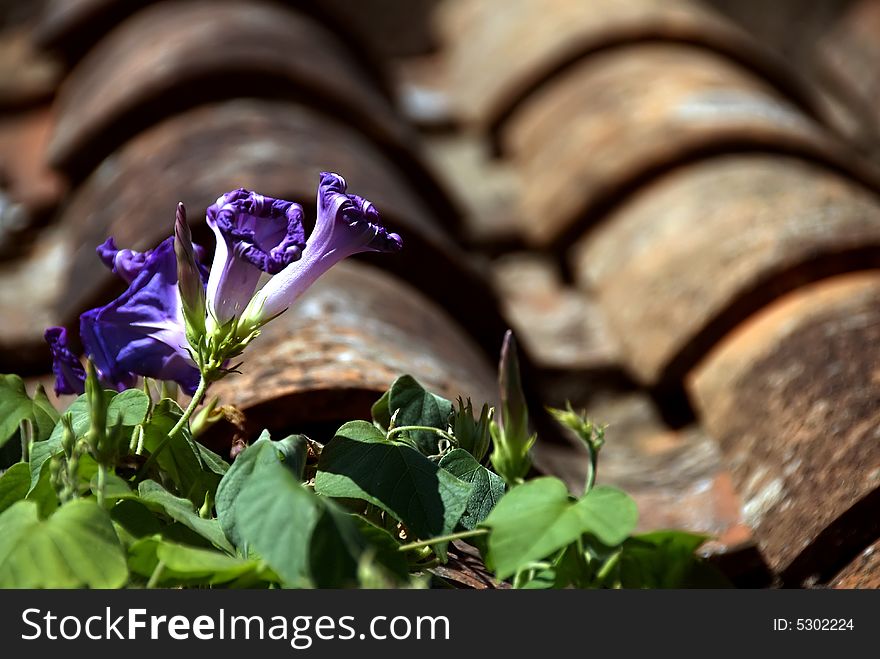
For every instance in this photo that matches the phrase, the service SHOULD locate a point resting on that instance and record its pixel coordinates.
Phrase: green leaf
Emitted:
(213, 462)
(569, 569)
(304, 538)
(276, 517)
(80, 417)
(290, 451)
(179, 459)
(416, 407)
(488, 487)
(380, 412)
(115, 487)
(156, 497)
(539, 517)
(76, 547)
(128, 408)
(293, 451)
(183, 565)
(335, 545)
(14, 484)
(384, 549)
(205, 565)
(135, 519)
(45, 415)
(608, 513)
(667, 559)
(44, 495)
(360, 463)
(15, 406)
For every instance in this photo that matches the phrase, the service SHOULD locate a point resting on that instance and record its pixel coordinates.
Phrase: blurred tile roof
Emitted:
(674, 204)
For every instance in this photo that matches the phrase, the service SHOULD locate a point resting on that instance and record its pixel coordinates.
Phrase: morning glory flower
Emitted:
(70, 377)
(255, 234)
(177, 322)
(347, 224)
(127, 263)
(141, 332)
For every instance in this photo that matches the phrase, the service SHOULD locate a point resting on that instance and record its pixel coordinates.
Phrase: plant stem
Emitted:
(157, 574)
(102, 483)
(591, 470)
(443, 538)
(605, 570)
(26, 431)
(181, 422)
(445, 435)
(522, 577)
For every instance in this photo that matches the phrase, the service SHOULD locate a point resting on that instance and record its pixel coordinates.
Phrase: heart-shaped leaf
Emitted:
(76, 547)
(291, 452)
(359, 463)
(417, 407)
(539, 517)
(488, 487)
(306, 539)
(16, 407)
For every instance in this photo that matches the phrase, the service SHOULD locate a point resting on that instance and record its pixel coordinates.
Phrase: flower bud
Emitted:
(189, 279)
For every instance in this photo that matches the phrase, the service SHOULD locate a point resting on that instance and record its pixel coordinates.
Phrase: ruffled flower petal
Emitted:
(347, 224)
(141, 333)
(70, 376)
(255, 234)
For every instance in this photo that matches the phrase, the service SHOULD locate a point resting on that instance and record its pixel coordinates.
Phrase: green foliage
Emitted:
(488, 487)
(411, 405)
(592, 436)
(117, 492)
(16, 406)
(290, 451)
(539, 517)
(14, 485)
(472, 434)
(360, 463)
(381, 413)
(306, 539)
(666, 559)
(45, 414)
(124, 410)
(75, 547)
(178, 457)
(158, 499)
(169, 564)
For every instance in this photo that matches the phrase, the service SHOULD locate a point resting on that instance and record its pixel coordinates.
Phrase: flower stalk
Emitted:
(178, 427)
(510, 434)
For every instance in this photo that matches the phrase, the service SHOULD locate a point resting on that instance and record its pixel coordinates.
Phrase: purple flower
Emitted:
(347, 224)
(123, 262)
(70, 377)
(128, 264)
(255, 234)
(140, 333)
(144, 331)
